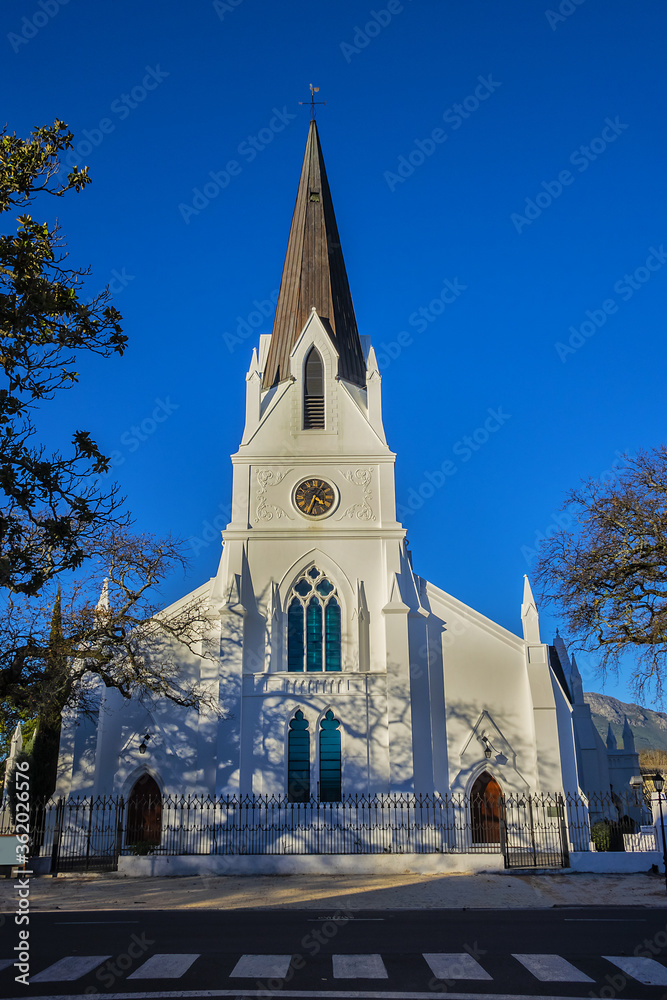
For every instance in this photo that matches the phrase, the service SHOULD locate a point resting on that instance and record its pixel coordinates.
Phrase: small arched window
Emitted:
(313, 391)
(330, 759)
(314, 624)
(298, 759)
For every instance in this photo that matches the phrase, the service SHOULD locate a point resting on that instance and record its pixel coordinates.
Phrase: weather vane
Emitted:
(312, 101)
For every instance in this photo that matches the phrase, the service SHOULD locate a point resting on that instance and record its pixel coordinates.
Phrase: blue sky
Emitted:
(499, 167)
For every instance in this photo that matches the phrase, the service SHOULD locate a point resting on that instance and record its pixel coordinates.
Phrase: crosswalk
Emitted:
(446, 967)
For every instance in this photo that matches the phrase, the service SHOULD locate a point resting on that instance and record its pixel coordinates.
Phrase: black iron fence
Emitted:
(537, 830)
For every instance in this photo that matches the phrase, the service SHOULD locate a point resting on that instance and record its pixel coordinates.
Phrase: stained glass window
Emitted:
(314, 624)
(314, 634)
(295, 636)
(330, 759)
(298, 759)
(332, 634)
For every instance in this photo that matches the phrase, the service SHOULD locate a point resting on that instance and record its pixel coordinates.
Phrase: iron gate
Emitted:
(87, 835)
(534, 833)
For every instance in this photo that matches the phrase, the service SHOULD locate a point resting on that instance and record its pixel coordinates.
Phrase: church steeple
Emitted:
(314, 275)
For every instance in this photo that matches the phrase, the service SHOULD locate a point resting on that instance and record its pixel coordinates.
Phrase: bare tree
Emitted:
(53, 645)
(606, 572)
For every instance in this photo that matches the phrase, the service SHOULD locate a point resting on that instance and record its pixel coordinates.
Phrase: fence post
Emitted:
(564, 838)
(55, 849)
(120, 813)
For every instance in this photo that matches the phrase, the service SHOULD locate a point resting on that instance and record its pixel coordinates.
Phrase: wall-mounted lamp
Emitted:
(488, 749)
(144, 740)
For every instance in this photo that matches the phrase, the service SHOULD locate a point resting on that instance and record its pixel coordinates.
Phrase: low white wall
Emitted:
(614, 861)
(609, 862)
(304, 864)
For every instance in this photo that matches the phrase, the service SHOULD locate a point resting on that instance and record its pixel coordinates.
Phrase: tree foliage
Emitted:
(607, 570)
(53, 503)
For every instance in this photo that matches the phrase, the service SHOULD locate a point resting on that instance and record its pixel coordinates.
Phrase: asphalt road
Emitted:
(332, 952)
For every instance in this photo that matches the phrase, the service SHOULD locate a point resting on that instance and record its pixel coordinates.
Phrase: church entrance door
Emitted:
(486, 809)
(144, 813)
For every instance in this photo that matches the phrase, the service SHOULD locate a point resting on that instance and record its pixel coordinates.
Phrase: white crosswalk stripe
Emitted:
(70, 968)
(359, 967)
(553, 969)
(260, 966)
(454, 965)
(164, 967)
(644, 970)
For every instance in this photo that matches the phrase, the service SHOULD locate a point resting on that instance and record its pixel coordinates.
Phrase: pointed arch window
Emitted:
(314, 624)
(298, 759)
(313, 391)
(330, 759)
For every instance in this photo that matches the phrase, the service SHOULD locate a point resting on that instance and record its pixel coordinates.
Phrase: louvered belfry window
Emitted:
(313, 392)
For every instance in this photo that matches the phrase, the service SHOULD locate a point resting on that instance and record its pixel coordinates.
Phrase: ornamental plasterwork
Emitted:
(362, 511)
(265, 511)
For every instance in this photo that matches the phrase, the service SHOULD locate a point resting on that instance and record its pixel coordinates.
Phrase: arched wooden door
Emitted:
(144, 812)
(486, 809)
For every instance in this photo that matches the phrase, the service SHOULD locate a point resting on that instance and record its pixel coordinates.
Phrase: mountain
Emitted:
(649, 727)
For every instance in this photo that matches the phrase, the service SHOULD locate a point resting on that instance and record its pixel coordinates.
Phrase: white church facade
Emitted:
(338, 670)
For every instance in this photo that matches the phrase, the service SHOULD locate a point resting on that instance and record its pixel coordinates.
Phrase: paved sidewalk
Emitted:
(335, 892)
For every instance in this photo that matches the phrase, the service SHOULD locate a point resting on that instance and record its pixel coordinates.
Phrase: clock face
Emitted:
(314, 497)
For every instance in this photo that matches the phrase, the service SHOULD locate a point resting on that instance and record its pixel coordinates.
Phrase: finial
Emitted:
(312, 101)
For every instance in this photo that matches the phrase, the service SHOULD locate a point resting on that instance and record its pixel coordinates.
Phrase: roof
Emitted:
(557, 667)
(314, 275)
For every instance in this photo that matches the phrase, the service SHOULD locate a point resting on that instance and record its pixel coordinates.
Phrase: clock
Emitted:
(314, 497)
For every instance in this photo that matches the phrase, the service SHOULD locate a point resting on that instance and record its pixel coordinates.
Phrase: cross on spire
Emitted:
(312, 101)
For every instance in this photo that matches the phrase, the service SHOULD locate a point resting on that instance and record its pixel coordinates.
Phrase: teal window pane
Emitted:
(330, 759)
(303, 588)
(324, 588)
(295, 636)
(314, 635)
(314, 572)
(298, 759)
(332, 634)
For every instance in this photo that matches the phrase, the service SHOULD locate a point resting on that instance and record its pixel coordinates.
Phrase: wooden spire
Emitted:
(314, 275)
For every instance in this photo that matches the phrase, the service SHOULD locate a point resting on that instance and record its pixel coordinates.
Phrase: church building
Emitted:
(337, 669)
